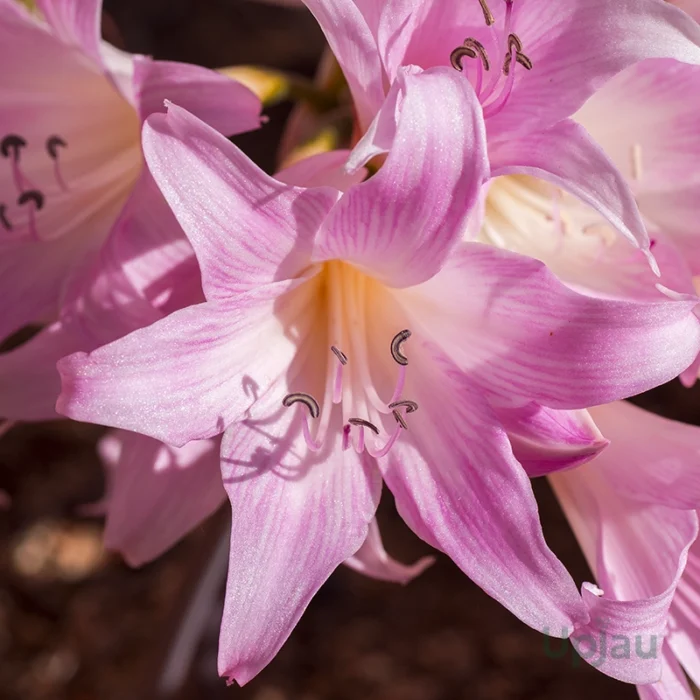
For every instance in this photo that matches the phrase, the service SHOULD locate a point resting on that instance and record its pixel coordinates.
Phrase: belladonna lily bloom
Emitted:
(331, 321)
(146, 269)
(70, 154)
(532, 65)
(634, 511)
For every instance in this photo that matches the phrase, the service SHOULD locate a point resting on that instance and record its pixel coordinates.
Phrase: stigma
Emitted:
(361, 431)
(495, 93)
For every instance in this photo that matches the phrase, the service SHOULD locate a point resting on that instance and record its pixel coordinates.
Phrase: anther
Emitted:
(488, 17)
(396, 344)
(308, 401)
(410, 406)
(364, 423)
(52, 145)
(11, 145)
(342, 357)
(399, 419)
(471, 48)
(514, 42)
(3, 218)
(31, 196)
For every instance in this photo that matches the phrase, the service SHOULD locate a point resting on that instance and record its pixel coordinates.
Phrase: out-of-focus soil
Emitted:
(77, 624)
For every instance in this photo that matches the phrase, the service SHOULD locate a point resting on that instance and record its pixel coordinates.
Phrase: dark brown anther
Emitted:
(3, 218)
(308, 401)
(342, 357)
(514, 42)
(11, 145)
(471, 48)
(396, 344)
(488, 17)
(52, 145)
(410, 406)
(399, 419)
(364, 423)
(31, 196)
(458, 55)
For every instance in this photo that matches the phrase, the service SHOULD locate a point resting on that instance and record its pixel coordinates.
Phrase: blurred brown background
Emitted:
(77, 624)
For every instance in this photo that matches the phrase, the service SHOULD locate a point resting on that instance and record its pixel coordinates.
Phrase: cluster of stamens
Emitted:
(396, 406)
(513, 51)
(29, 197)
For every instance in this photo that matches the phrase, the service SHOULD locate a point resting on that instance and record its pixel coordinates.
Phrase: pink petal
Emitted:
(28, 376)
(545, 440)
(533, 339)
(250, 229)
(351, 40)
(297, 515)
(575, 49)
(651, 107)
(675, 211)
(673, 684)
(187, 376)
(459, 487)
(637, 552)
(401, 224)
(650, 459)
(148, 249)
(76, 22)
(372, 560)
(224, 104)
(636, 628)
(157, 493)
(566, 156)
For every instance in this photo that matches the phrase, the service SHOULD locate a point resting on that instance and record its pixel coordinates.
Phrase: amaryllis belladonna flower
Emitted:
(350, 337)
(70, 153)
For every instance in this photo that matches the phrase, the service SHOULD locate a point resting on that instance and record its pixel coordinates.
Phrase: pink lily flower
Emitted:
(145, 270)
(72, 108)
(634, 512)
(366, 300)
(531, 66)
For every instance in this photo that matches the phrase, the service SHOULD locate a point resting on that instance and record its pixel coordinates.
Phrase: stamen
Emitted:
(32, 196)
(3, 218)
(396, 344)
(346, 437)
(342, 357)
(488, 17)
(637, 162)
(10, 147)
(364, 423)
(38, 199)
(514, 43)
(410, 406)
(390, 443)
(338, 383)
(308, 401)
(52, 145)
(458, 55)
(402, 361)
(400, 419)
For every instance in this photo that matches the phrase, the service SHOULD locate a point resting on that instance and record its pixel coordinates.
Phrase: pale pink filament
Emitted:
(338, 384)
(390, 443)
(400, 381)
(310, 442)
